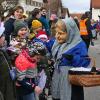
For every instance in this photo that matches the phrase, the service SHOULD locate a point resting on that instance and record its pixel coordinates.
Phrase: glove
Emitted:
(68, 56)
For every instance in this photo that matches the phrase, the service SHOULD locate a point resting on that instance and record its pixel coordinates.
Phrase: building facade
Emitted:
(95, 9)
(29, 5)
(54, 7)
(95, 14)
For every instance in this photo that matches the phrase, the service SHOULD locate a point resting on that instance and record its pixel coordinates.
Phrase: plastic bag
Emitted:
(94, 33)
(42, 79)
(12, 73)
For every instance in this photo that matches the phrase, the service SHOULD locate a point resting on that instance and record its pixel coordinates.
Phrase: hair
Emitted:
(24, 16)
(2, 18)
(83, 16)
(86, 15)
(35, 12)
(17, 8)
(42, 8)
(61, 25)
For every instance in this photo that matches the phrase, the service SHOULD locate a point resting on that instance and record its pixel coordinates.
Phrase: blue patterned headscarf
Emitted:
(73, 32)
(72, 40)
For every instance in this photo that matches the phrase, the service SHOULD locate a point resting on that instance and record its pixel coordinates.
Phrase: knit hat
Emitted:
(37, 48)
(42, 35)
(18, 24)
(36, 24)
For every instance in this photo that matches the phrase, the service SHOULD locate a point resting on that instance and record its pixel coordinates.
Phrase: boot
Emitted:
(55, 99)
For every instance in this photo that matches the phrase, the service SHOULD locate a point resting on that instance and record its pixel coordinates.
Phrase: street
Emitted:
(93, 93)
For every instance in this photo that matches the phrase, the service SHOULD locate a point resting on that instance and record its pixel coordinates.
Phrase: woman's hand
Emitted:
(38, 90)
(51, 62)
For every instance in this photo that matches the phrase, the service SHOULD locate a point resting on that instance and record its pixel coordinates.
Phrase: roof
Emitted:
(96, 4)
(77, 15)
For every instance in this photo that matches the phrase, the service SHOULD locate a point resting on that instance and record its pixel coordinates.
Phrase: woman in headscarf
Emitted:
(68, 50)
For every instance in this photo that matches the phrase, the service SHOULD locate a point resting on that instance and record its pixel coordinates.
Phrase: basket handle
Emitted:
(93, 64)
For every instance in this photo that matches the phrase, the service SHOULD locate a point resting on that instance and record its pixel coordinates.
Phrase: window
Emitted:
(28, 2)
(45, 1)
(37, 4)
(33, 3)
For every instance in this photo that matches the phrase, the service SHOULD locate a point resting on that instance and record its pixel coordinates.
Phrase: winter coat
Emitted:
(9, 28)
(45, 24)
(6, 84)
(26, 72)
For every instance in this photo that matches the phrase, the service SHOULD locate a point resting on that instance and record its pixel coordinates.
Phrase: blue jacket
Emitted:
(45, 23)
(78, 52)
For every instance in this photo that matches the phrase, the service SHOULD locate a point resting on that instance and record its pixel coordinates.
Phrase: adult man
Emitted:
(45, 21)
(85, 28)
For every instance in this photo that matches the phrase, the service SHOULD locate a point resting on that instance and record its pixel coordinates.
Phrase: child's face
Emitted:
(37, 29)
(44, 39)
(38, 15)
(22, 32)
(37, 57)
(61, 36)
(44, 12)
(18, 13)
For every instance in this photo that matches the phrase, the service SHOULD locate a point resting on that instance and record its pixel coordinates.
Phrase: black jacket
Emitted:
(9, 29)
(6, 84)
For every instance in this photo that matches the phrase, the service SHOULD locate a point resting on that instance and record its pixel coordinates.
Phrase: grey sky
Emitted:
(77, 5)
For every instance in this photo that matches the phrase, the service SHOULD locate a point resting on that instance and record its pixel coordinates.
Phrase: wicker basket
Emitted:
(84, 78)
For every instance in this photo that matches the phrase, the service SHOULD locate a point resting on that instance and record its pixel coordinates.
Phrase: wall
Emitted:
(95, 13)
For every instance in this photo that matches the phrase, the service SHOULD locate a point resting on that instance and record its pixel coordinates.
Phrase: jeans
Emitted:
(30, 96)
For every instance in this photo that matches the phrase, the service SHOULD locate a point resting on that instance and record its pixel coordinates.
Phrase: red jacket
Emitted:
(24, 61)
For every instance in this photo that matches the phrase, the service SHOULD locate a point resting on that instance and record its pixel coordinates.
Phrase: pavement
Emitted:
(93, 93)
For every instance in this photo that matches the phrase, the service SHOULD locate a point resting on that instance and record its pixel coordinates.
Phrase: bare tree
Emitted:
(1, 7)
(5, 5)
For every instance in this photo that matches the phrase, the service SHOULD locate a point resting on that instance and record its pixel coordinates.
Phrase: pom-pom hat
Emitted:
(36, 24)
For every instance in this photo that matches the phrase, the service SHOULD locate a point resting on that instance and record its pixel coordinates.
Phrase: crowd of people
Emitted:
(36, 53)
